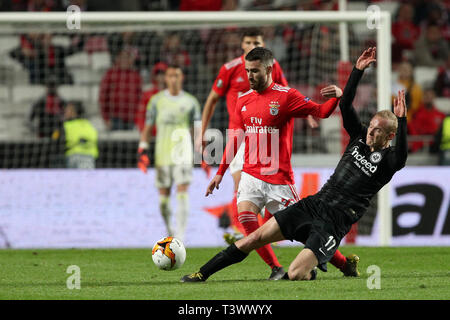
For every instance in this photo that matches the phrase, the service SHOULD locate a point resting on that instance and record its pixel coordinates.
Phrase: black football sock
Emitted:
(223, 259)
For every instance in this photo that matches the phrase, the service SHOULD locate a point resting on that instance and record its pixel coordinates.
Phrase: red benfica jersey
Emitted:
(232, 81)
(267, 118)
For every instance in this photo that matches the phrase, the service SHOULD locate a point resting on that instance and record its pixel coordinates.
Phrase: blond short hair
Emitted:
(392, 120)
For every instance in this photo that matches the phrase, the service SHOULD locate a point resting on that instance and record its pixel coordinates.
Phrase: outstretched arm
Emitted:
(401, 146)
(235, 138)
(351, 121)
(334, 93)
(366, 58)
(278, 77)
(400, 109)
(300, 106)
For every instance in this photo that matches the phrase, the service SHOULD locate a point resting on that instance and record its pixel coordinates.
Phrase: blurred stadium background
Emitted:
(41, 66)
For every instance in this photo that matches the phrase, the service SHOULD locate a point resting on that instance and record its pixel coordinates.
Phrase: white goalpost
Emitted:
(379, 22)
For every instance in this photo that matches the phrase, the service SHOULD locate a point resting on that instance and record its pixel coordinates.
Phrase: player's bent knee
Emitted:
(258, 238)
(254, 239)
(250, 242)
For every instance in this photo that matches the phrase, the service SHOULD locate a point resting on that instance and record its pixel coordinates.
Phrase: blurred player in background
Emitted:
(174, 112)
(231, 82)
(266, 114)
(157, 84)
(322, 220)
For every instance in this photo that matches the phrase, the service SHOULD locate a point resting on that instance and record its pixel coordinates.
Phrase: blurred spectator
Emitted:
(431, 49)
(324, 59)
(295, 40)
(441, 143)
(405, 32)
(413, 91)
(222, 47)
(426, 120)
(435, 12)
(274, 41)
(195, 47)
(43, 59)
(48, 110)
(146, 44)
(231, 46)
(172, 51)
(128, 40)
(157, 84)
(120, 91)
(150, 43)
(442, 83)
(79, 136)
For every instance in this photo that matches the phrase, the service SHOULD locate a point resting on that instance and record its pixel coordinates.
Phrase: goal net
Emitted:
(111, 64)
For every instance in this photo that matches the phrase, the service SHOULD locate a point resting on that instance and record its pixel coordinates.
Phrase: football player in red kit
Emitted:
(231, 82)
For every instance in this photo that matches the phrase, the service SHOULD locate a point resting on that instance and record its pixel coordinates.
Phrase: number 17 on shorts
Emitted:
(330, 244)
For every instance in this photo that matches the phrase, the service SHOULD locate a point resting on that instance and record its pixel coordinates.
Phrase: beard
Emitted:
(256, 85)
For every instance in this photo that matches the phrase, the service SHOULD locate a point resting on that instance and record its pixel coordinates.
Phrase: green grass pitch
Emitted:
(406, 273)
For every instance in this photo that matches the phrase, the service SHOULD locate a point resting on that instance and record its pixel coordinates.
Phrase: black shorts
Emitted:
(313, 223)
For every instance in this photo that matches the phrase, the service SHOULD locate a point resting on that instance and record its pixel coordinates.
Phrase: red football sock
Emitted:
(234, 215)
(338, 260)
(250, 223)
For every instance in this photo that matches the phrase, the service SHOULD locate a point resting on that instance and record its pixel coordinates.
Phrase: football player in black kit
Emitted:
(320, 221)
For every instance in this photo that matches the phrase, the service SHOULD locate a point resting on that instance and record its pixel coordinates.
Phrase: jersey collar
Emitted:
(167, 93)
(265, 90)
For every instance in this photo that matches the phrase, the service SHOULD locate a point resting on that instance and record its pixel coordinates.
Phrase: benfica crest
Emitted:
(274, 106)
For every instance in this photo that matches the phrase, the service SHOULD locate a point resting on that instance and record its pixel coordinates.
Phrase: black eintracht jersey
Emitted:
(360, 173)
